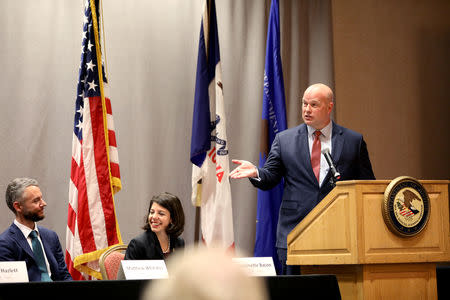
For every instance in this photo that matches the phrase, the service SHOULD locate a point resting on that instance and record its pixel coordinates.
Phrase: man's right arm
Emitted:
(272, 172)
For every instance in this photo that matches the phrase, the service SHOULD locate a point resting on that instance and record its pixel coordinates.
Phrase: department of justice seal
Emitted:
(406, 206)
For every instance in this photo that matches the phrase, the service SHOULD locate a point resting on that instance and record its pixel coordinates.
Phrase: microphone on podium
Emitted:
(334, 172)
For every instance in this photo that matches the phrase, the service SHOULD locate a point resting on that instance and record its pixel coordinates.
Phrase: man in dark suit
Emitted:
(25, 241)
(296, 156)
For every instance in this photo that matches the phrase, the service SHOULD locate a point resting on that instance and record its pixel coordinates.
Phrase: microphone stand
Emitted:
(333, 179)
(335, 175)
(332, 182)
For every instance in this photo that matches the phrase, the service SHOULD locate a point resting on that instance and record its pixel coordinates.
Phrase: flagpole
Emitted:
(198, 212)
(197, 225)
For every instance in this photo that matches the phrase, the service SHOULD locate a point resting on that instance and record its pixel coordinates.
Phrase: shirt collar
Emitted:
(25, 229)
(326, 131)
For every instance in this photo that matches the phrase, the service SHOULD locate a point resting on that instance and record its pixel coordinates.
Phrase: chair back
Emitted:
(110, 261)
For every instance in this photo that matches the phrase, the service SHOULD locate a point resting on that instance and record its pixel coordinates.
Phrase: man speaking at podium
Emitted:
(296, 156)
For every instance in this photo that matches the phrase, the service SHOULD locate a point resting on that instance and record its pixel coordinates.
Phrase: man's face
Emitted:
(32, 206)
(316, 108)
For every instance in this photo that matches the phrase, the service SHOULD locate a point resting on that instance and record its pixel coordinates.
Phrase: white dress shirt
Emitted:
(26, 232)
(325, 142)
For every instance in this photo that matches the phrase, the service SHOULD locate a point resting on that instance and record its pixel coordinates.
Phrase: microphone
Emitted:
(334, 172)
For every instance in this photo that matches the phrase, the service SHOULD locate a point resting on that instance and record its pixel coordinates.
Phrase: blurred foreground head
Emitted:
(205, 273)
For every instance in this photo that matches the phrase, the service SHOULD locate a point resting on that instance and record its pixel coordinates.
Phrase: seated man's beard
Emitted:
(33, 216)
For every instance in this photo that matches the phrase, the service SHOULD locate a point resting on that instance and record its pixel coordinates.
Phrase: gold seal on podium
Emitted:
(406, 206)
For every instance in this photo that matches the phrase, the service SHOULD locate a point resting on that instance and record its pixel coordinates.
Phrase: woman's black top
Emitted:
(146, 246)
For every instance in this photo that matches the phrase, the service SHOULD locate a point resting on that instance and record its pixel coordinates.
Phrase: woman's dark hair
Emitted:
(173, 205)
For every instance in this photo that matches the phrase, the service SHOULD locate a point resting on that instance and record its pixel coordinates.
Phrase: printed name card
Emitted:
(13, 271)
(143, 269)
(257, 266)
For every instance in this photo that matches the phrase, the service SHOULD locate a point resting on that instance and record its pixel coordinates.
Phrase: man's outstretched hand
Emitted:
(245, 170)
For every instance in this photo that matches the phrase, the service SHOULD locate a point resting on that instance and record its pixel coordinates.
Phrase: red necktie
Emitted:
(315, 155)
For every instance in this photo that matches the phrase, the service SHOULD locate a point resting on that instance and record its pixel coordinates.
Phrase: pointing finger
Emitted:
(237, 161)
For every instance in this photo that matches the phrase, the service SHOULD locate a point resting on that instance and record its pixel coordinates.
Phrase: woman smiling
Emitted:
(163, 227)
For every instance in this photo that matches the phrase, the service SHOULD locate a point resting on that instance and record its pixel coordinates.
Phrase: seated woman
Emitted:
(164, 224)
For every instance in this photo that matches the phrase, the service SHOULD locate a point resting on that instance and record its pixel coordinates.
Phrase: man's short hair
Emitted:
(15, 190)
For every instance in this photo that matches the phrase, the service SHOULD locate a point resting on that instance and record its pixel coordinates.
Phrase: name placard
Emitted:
(257, 266)
(142, 269)
(13, 271)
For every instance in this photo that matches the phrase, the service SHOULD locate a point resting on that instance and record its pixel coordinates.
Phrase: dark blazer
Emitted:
(289, 158)
(14, 247)
(146, 246)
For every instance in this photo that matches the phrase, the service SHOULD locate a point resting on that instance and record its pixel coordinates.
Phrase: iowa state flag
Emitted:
(209, 148)
(273, 121)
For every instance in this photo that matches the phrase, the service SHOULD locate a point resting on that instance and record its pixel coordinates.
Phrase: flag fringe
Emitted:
(79, 263)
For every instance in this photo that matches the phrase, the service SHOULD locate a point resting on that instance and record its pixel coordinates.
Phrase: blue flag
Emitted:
(208, 57)
(274, 121)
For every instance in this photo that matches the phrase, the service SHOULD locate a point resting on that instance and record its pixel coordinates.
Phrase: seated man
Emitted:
(25, 241)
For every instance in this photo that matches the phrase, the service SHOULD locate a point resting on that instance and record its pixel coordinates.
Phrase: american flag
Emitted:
(404, 211)
(91, 224)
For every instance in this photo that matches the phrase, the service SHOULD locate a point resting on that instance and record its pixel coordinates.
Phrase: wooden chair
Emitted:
(110, 261)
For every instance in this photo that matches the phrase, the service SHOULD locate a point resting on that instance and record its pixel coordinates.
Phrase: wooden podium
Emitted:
(346, 235)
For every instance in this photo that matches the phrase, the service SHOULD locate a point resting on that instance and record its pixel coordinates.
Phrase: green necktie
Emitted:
(39, 256)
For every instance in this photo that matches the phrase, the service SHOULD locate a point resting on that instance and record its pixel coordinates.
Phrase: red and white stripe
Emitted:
(91, 223)
(406, 212)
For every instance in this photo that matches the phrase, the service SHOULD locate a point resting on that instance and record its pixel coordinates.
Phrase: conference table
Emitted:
(279, 288)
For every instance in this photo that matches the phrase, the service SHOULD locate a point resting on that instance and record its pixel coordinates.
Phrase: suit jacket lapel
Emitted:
(305, 155)
(17, 235)
(152, 237)
(337, 143)
(45, 242)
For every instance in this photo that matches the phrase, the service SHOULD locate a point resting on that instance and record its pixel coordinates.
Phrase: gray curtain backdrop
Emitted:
(151, 51)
